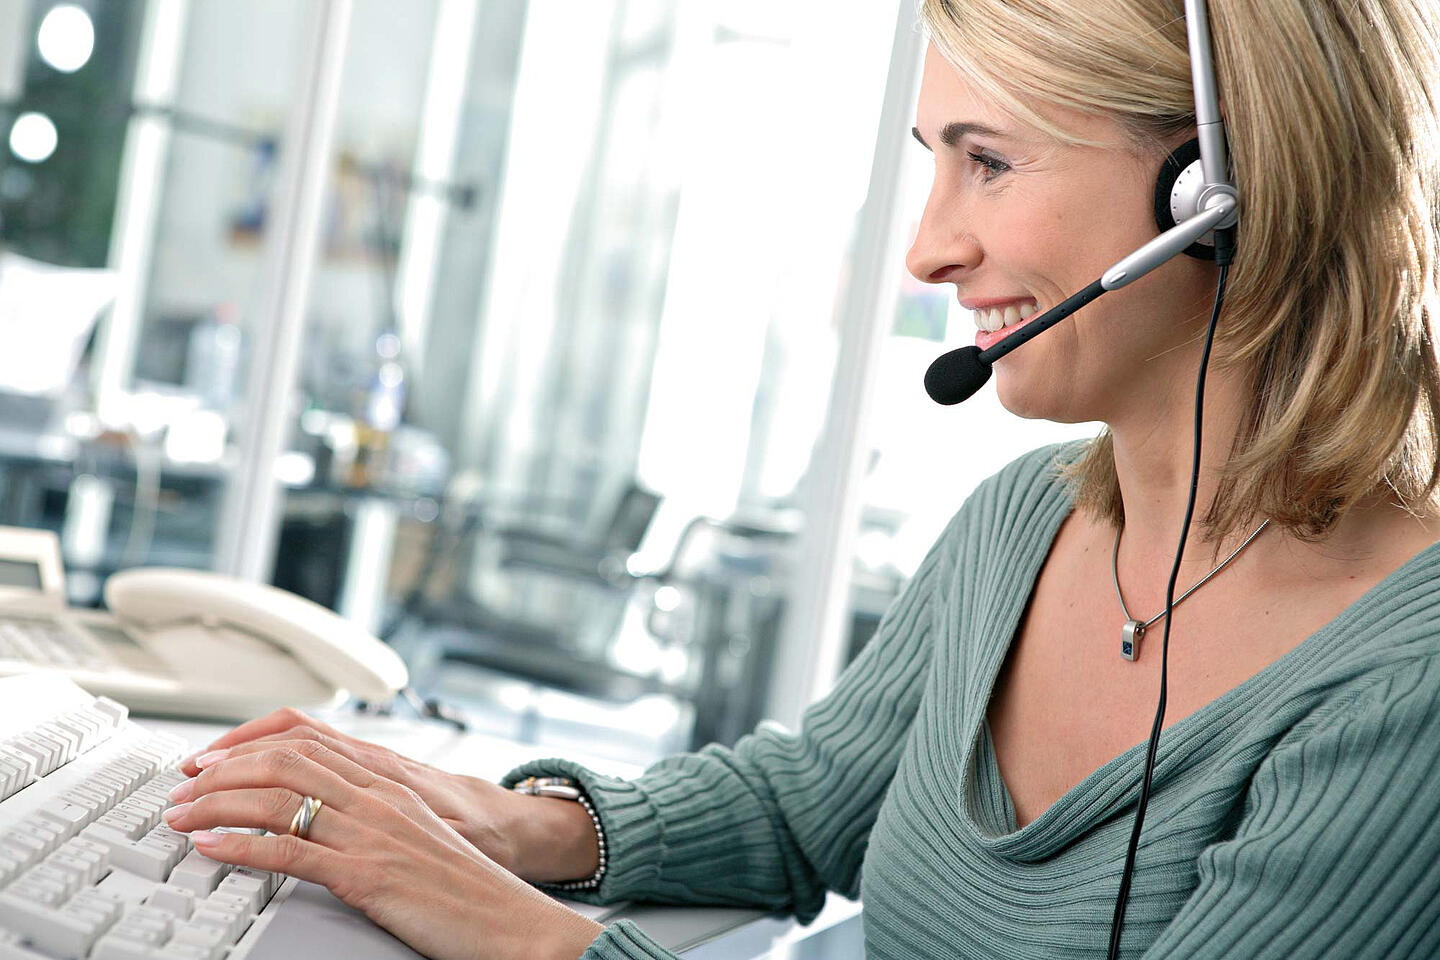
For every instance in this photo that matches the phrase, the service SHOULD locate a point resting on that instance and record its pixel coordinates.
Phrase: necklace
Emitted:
(1134, 631)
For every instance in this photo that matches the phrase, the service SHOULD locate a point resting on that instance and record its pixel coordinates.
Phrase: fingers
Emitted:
(279, 854)
(296, 768)
(277, 721)
(282, 767)
(271, 808)
(322, 751)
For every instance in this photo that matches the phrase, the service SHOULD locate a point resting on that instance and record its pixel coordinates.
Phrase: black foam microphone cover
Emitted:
(956, 375)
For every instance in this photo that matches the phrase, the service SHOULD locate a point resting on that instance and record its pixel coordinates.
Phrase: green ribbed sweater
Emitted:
(1297, 815)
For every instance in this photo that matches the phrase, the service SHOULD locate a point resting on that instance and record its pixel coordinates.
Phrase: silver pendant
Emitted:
(1130, 636)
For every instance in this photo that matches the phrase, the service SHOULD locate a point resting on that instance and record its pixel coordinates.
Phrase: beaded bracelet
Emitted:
(564, 788)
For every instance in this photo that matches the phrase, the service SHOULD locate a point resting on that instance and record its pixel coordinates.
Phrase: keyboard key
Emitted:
(84, 734)
(96, 854)
(174, 900)
(46, 755)
(27, 759)
(13, 773)
(230, 923)
(158, 922)
(21, 840)
(148, 858)
(91, 799)
(53, 930)
(72, 873)
(18, 850)
(250, 890)
(10, 949)
(232, 903)
(270, 880)
(198, 873)
(68, 739)
(48, 835)
(109, 708)
(105, 835)
(117, 947)
(71, 817)
(99, 902)
(203, 934)
(127, 825)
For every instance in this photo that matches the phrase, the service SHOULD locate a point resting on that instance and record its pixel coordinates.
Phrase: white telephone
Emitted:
(184, 642)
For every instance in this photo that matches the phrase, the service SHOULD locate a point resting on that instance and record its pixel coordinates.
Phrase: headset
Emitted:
(1196, 210)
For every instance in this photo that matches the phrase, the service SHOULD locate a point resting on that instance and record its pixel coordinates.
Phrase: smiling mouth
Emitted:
(996, 318)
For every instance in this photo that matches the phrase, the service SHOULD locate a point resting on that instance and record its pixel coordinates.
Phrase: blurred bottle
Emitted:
(213, 357)
(383, 406)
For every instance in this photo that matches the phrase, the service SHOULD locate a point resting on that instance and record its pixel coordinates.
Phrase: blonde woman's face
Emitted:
(1017, 222)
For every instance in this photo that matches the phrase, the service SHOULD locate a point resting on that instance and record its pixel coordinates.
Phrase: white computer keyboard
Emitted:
(87, 867)
(43, 641)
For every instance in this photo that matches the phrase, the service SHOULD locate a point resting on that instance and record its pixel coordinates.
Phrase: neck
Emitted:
(1154, 455)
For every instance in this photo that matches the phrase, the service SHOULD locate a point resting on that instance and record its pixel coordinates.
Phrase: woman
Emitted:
(980, 758)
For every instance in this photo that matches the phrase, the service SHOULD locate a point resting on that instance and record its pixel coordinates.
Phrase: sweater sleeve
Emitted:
(1337, 853)
(782, 817)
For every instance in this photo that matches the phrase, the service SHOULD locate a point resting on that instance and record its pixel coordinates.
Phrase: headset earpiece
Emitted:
(1177, 190)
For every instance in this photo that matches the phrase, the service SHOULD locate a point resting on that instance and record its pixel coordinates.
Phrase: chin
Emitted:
(1030, 392)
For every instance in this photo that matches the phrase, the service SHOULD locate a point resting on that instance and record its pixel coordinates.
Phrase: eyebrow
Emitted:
(951, 133)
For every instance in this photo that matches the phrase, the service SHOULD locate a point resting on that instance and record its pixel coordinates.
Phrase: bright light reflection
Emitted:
(653, 713)
(667, 598)
(66, 38)
(33, 137)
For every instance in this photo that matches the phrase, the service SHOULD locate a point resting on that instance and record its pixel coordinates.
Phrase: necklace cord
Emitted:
(1122, 897)
(1115, 573)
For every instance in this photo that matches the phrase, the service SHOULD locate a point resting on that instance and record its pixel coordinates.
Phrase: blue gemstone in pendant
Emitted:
(1130, 636)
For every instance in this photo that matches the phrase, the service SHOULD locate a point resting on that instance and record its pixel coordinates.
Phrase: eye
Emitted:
(991, 167)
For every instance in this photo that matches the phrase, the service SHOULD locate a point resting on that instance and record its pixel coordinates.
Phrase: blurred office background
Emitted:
(565, 344)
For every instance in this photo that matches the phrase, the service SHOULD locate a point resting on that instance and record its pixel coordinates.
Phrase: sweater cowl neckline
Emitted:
(1403, 607)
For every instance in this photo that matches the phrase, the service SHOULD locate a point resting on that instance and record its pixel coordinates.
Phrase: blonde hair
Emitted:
(1331, 110)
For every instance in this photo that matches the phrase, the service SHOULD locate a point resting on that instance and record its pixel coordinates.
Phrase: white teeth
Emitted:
(996, 317)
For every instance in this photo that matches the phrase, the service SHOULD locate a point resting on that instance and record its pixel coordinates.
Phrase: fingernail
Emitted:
(214, 756)
(183, 791)
(206, 838)
(171, 814)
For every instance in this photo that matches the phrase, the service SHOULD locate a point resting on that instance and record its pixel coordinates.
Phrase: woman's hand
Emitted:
(377, 846)
(538, 839)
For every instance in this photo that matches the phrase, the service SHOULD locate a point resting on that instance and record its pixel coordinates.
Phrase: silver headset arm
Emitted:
(1209, 126)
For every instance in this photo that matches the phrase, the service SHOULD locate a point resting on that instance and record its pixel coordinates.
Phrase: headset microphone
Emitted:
(956, 375)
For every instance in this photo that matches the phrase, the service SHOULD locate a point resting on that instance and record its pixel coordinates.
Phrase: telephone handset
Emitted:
(155, 600)
(189, 643)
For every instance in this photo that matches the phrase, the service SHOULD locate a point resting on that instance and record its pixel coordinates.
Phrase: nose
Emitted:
(944, 247)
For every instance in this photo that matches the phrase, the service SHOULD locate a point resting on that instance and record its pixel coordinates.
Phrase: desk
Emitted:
(706, 933)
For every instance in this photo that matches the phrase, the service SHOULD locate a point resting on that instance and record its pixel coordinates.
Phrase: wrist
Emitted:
(560, 843)
(570, 936)
(524, 923)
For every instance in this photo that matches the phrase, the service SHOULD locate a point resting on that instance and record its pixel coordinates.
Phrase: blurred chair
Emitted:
(602, 558)
(589, 570)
